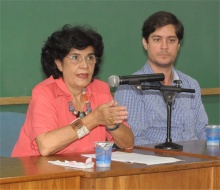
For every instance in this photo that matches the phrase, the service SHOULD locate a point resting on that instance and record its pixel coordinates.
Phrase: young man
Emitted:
(147, 110)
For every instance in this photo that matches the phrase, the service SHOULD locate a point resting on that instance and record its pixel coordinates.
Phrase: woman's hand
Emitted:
(110, 114)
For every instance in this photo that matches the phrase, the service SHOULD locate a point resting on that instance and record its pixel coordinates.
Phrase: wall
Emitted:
(25, 25)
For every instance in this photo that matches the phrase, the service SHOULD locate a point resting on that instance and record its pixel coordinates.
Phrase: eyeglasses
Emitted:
(90, 59)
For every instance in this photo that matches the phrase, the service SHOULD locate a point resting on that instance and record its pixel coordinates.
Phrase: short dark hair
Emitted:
(160, 19)
(60, 43)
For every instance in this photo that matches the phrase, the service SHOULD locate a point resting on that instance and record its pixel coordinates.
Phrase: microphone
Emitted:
(114, 80)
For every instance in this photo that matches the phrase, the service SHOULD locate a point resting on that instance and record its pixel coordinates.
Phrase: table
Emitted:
(194, 172)
(196, 148)
(193, 147)
(35, 173)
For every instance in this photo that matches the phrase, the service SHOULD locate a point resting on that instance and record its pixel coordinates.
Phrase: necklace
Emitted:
(80, 114)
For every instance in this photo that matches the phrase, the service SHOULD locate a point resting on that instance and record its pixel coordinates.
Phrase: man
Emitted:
(147, 109)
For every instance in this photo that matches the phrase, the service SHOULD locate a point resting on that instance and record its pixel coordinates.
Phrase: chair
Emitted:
(10, 125)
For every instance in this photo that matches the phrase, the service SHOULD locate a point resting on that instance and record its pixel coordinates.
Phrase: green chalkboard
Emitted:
(26, 24)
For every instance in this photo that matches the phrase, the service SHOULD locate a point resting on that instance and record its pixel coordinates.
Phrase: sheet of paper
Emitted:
(138, 158)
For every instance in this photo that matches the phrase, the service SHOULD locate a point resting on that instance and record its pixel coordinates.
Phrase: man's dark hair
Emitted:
(160, 19)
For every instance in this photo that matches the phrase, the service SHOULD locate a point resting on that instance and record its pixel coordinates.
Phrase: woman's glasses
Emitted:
(90, 59)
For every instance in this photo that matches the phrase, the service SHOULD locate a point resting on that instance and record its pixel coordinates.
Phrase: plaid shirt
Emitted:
(147, 111)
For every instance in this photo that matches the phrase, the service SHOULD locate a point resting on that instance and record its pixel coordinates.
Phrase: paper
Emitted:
(138, 158)
(74, 164)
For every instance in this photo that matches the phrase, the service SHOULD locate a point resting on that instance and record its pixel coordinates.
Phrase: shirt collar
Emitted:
(64, 91)
(148, 70)
(175, 75)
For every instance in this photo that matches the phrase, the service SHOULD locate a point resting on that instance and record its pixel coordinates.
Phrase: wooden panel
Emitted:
(26, 99)
(55, 184)
(14, 100)
(217, 178)
(210, 91)
(184, 179)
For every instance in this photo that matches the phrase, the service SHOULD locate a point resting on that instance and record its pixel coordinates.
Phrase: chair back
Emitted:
(10, 126)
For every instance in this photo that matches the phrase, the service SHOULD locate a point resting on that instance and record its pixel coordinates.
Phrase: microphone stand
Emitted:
(169, 94)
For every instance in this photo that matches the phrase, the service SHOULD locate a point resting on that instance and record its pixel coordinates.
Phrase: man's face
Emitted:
(162, 46)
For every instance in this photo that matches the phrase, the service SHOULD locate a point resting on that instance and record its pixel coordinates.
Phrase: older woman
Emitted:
(70, 110)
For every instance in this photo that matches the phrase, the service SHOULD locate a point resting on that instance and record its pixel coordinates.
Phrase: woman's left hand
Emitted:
(110, 113)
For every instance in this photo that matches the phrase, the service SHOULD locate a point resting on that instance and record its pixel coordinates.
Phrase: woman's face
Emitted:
(78, 67)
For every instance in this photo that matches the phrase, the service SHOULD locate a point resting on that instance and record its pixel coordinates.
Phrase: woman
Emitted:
(70, 110)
